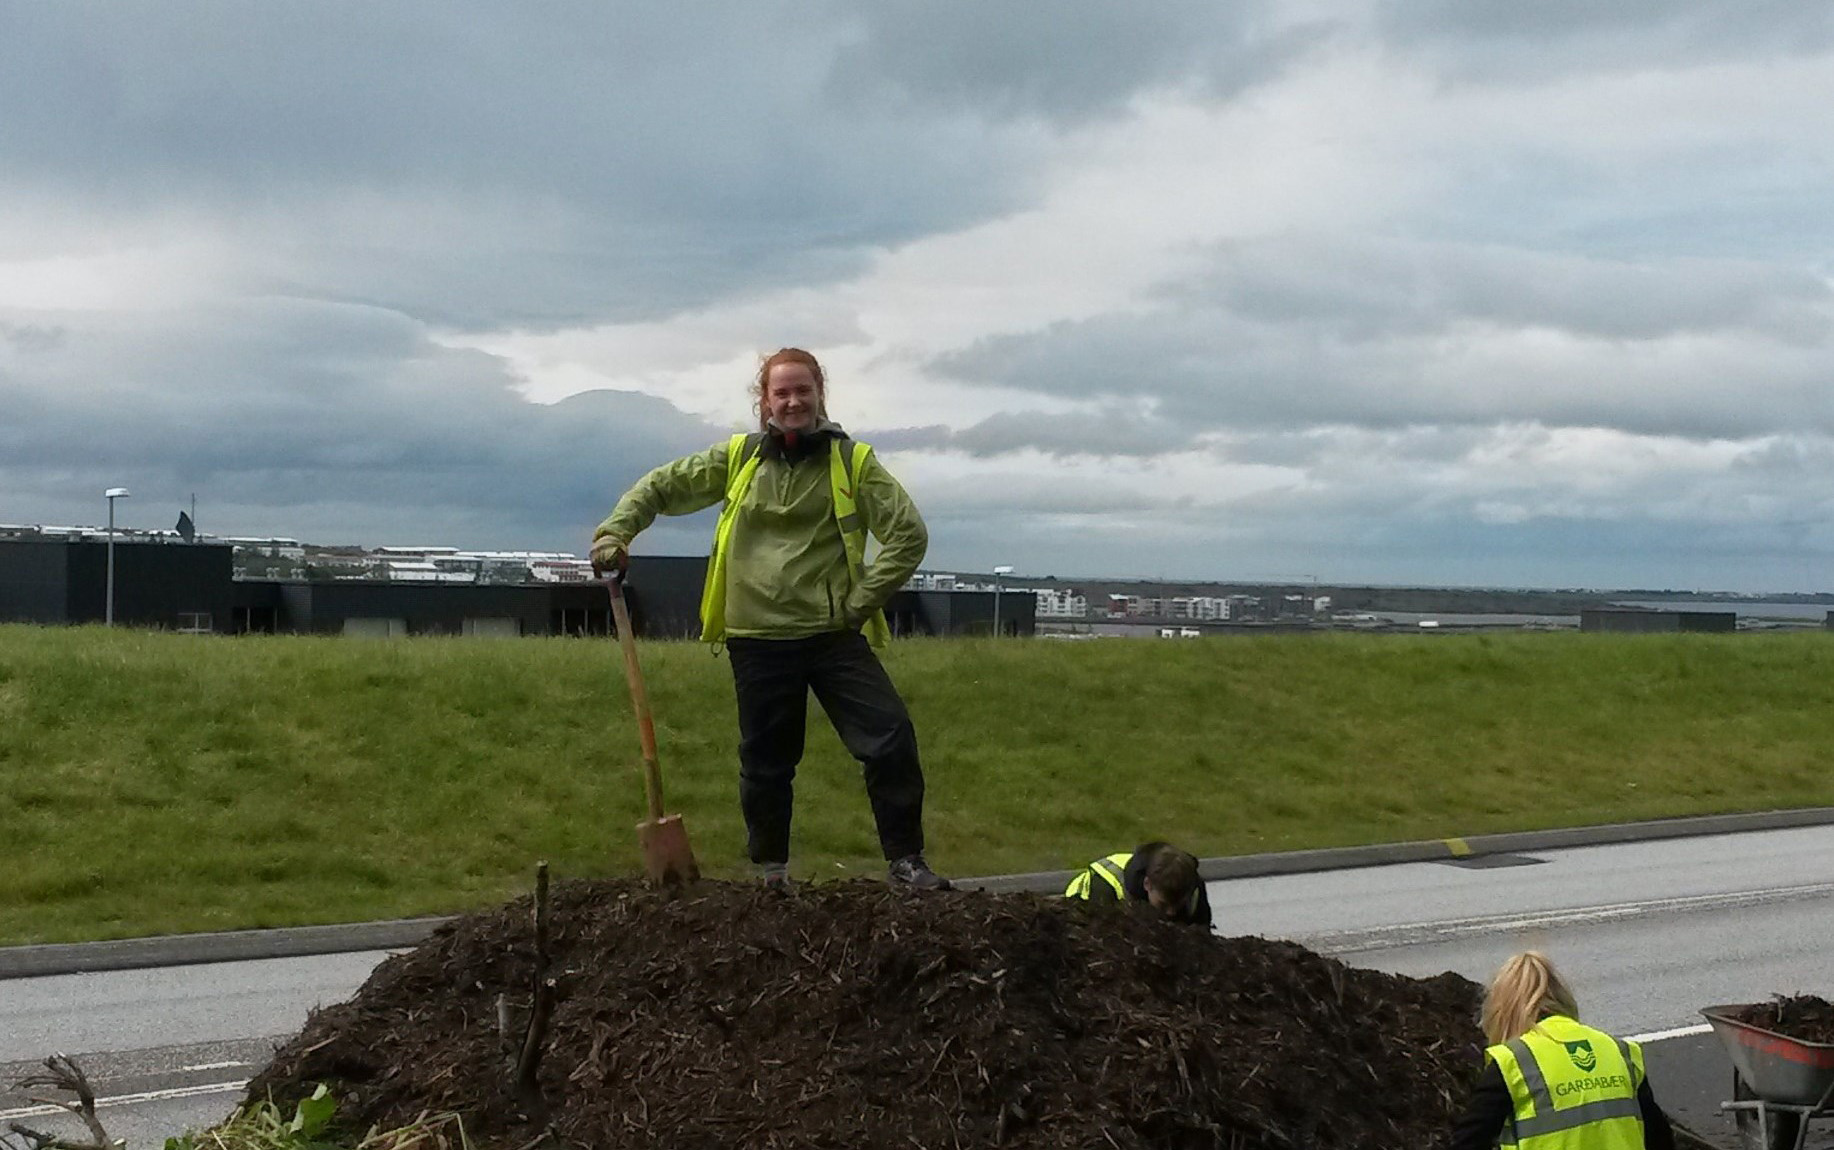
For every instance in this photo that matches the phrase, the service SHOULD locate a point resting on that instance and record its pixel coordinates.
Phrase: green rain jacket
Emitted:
(787, 574)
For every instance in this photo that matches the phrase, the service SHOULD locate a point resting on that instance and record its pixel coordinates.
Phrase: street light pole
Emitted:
(112, 494)
(998, 575)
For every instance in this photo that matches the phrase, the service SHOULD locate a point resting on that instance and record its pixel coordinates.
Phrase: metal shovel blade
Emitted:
(666, 854)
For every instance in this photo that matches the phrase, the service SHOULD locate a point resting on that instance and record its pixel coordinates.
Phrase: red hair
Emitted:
(783, 356)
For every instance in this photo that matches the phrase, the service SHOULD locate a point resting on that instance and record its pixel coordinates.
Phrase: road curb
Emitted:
(1448, 849)
(220, 946)
(295, 942)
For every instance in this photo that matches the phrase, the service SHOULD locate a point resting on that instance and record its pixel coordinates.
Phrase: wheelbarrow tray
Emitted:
(1776, 1067)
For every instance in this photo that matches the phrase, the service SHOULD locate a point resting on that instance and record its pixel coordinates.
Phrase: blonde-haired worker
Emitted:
(1550, 1082)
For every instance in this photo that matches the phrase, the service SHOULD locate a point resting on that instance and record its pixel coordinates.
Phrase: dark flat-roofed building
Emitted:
(192, 587)
(1637, 621)
(175, 586)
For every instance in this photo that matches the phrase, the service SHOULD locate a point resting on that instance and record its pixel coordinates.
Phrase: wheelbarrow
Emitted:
(1779, 1083)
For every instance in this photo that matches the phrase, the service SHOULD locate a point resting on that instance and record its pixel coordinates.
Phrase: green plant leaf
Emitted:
(313, 1113)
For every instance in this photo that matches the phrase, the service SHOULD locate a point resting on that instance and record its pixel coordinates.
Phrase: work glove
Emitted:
(608, 555)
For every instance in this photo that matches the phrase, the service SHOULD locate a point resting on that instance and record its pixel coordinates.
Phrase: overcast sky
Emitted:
(1400, 291)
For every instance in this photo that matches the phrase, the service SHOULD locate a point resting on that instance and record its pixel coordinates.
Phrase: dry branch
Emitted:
(63, 1073)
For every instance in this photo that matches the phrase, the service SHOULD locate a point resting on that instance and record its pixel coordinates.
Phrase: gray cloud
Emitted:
(1492, 40)
(32, 337)
(1428, 446)
(245, 220)
(1115, 431)
(479, 167)
(1361, 288)
(1059, 62)
(284, 409)
(1297, 332)
(482, 168)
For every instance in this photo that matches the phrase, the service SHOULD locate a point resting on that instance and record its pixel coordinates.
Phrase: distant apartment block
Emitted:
(455, 565)
(1065, 604)
(931, 581)
(1198, 608)
(276, 547)
(560, 569)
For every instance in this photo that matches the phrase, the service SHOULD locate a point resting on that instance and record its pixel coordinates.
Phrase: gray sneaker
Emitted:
(774, 876)
(912, 871)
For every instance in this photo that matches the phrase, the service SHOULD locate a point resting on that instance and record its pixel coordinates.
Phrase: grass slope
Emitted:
(158, 783)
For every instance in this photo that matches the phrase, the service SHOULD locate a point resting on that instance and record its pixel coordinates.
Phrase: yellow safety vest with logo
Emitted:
(1109, 870)
(743, 451)
(1574, 1088)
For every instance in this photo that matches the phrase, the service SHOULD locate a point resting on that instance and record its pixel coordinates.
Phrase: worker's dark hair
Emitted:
(1172, 872)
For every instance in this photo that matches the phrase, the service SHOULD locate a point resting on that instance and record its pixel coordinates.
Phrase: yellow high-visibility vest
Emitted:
(1573, 1088)
(1109, 870)
(742, 456)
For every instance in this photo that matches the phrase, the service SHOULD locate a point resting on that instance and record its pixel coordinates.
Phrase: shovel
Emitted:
(662, 838)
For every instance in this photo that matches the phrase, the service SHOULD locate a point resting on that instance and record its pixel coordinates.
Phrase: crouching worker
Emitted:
(1158, 874)
(1551, 1083)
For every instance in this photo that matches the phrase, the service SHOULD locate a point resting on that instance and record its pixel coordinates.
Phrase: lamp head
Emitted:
(115, 493)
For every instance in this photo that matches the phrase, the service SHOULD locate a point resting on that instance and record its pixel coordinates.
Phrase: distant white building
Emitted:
(1205, 608)
(931, 581)
(274, 547)
(412, 552)
(561, 570)
(423, 571)
(1064, 604)
(1240, 607)
(453, 565)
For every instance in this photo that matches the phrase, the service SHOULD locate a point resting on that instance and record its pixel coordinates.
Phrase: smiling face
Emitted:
(792, 397)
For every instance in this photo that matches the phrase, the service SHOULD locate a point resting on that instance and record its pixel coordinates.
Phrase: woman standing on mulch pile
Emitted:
(1551, 1083)
(791, 595)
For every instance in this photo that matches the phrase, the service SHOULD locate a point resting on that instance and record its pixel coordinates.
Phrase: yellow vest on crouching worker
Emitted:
(1109, 870)
(1573, 1088)
(743, 451)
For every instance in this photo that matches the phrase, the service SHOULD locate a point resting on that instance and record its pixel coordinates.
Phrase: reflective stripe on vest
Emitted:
(1612, 1118)
(743, 454)
(1110, 869)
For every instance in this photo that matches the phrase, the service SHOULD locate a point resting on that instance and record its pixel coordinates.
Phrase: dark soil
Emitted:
(1804, 1018)
(853, 1016)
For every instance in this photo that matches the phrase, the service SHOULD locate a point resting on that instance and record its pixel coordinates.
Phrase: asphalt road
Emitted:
(167, 1049)
(1648, 932)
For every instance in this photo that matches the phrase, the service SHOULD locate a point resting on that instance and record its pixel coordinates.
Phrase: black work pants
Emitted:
(773, 678)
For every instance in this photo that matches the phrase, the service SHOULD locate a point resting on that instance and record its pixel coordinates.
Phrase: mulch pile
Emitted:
(1803, 1017)
(852, 1015)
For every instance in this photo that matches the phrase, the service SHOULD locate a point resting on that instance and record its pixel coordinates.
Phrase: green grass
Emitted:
(159, 783)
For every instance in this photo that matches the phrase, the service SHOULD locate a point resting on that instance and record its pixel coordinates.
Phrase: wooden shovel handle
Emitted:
(639, 696)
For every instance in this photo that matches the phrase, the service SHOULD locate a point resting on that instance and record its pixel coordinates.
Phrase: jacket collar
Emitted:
(795, 447)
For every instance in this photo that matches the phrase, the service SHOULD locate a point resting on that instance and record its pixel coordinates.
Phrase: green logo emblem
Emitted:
(1581, 1054)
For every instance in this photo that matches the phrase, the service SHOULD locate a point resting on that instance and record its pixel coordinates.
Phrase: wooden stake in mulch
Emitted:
(541, 1007)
